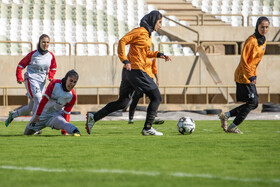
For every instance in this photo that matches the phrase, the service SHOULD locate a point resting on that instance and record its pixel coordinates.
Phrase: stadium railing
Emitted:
(19, 42)
(184, 87)
(186, 27)
(221, 43)
(64, 43)
(267, 43)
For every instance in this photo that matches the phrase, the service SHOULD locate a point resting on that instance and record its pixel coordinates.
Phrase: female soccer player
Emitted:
(55, 107)
(246, 77)
(39, 63)
(151, 70)
(134, 76)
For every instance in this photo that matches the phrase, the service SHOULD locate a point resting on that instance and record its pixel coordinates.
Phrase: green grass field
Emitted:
(116, 154)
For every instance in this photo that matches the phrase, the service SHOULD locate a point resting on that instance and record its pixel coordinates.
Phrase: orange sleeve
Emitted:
(126, 39)
(152, 54)
(245, 58)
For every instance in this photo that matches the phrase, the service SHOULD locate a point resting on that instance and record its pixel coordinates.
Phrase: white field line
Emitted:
(133, 172)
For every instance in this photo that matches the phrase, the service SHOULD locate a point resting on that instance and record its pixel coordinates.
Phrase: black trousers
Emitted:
(245, 93)
(132, 107)
(141, 82)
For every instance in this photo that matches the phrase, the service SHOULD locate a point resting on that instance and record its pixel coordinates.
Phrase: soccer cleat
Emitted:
(130, 121)
(9, 119)
(151, 131)
(234, 130)
(158, 121)
(76, 134)
(64, 133)
(90, 122)
(38, 132)
(224, 121)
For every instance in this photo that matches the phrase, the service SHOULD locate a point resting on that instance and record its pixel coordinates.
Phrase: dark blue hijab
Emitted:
(261, 39)
(149, 21)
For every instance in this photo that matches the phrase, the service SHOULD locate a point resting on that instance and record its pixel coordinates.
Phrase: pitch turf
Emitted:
(116, 154)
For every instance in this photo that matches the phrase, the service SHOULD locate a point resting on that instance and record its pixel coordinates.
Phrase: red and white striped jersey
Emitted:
(55, 99)
(38, 66)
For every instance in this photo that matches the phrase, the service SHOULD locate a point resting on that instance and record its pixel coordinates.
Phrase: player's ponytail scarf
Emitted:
(41, 51)
(261, 38)
(149, 21)
(71, 73)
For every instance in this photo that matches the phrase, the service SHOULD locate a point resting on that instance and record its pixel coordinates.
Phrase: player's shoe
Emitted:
(90, 122)
(151, 132)
(130, 121)
(158, 121)
(9, 119)
(76, 132)
(224, 121)
(38, 132)
(234, 130)
(64, 133)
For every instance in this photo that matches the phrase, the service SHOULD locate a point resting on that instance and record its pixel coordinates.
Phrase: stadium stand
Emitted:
(107, 21)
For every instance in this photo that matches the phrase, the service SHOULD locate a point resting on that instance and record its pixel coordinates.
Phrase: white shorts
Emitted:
(34, 88)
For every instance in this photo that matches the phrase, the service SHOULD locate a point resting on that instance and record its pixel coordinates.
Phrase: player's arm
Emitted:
(21, 65)
(68, 107)
(126, 39)
(53, 66)
(246, 55)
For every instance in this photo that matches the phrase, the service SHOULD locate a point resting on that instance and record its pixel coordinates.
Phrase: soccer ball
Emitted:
(186, 125)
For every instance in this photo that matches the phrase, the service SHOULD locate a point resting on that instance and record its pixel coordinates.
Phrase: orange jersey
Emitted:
(250, 58)
(139, 51)
(151, 67)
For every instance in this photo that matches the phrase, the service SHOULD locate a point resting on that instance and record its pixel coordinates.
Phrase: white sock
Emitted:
(232, 126)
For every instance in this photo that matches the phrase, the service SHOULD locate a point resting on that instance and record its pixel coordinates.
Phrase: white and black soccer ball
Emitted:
(186, 125)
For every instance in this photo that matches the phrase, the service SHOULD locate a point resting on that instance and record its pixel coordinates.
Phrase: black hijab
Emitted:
(41, 51)
(149, 21)
(261, 38)
(71, 73)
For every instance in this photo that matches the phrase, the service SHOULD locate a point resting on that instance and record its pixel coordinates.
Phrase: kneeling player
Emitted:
(50, 113)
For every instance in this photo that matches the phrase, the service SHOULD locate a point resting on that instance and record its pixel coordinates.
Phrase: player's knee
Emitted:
(28, 131)
(254, 104)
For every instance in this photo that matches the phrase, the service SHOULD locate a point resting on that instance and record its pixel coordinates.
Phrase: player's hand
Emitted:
(254, 82)
(128, 66)
(165, 57)
(36, 119)
(19, 82)
(157, 83)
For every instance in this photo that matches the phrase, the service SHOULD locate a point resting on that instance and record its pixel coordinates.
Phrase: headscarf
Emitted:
(149, 21)
(71, 73)
(41, 51)
(261, 38)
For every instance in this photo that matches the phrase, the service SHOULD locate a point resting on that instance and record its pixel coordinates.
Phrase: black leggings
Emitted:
(246, 93)
(139, 81)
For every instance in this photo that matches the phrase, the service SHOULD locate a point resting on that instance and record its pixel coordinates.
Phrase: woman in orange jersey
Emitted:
(134, 76)
(151, 70)
(246, 77)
